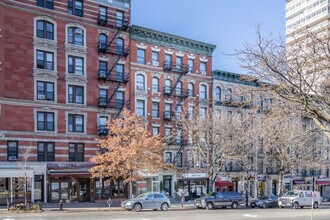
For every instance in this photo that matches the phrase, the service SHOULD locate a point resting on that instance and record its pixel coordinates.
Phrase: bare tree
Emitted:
(25, 169)
(297, 72)
(216, 138)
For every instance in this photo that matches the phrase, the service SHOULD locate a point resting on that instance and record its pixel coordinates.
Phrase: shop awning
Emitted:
(323, 182)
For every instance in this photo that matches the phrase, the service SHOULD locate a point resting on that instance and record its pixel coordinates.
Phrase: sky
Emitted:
(229, 24)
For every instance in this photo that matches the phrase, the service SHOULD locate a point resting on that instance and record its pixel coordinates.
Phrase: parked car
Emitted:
(153, 201)
(265, 202)
(300, 198)
(220, 200)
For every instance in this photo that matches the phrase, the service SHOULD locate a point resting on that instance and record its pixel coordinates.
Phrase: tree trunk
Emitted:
(130, 185)
(25, 189)
(280, 183)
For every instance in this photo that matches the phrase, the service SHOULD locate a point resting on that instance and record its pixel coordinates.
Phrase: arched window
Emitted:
(202, 92)
(218, 93)
(119, 45)
(102, 41)
(140, 82)
(76, 36)
(229, 94)
(191, 89)
(155, 84)
(45, 30)
(168, 86)
(178, 89)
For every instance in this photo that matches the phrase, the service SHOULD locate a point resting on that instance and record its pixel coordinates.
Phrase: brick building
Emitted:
(62, 72)
(169, 75)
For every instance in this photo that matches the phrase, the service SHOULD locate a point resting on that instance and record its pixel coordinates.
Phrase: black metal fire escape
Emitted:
(118, 51)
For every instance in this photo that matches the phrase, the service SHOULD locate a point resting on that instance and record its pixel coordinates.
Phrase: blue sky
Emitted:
(225, 23)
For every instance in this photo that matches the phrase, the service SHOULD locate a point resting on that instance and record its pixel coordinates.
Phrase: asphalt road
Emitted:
(223, 214)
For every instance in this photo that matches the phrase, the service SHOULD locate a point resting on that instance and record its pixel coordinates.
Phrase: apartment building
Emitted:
(63, 68)
(169, 75)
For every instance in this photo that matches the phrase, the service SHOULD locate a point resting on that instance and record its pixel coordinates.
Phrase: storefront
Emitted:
(261, 185)
(323, 186)
(150, 183)
(110, 188)
(195, 185)
(223, 184)
(302, 184)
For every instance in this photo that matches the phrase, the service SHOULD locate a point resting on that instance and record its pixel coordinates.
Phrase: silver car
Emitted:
(153, 201)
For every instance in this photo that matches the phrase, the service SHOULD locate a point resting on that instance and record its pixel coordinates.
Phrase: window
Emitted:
(179, 160)
(103, 68)
(75, 7)
(155, 84)
(178, 89)
(191, 89)
(103, 14)
(12, 150)
(119, 45)
(119, 18)
(45, 60)
(218, 93)
(202, 112)
(76, 123)
(45, 30)
(45, 121)
(168, 157)
(76, 36)
(120, 71)
(168, 86)
(190, 112)
(179, 63)
(155, 130)
(168, 133)
(103, 97)
(140, 82)
(228, 95)
(140, 108)
(76, 152)
(178, 112)
(103, 42)
(76, 65)
(155, 57)
(141, 56)
(76, 94)
(103, 121)
(202, 92)
(168, 107)
(178, 136)
(191, 65)
(46, 151)
(168, 59)
(45, 91)
(203, 68)
(155, 109)
(49, 4)
(120, 99)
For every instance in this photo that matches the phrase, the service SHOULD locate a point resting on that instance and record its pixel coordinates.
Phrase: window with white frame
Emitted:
(103, 68)
(76, 94)
(168, 157)
(120, 72)
(141, 56)
(155, 58)
(203, 68)
(155, 109)
(178, 135)
(45, 91)
(76, 36)
(140, 82)
(46, 151)
(45, 60)
(76, 123)
(76, 65)
(178, 63)
(191, 65)
(202, 92)
(155, 130)
(168, 85)
(45, 30)
(155, 84)
(218, 93)
(140, 107)
(191, 89)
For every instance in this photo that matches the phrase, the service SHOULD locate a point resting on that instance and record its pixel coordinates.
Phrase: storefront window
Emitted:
(55, 188)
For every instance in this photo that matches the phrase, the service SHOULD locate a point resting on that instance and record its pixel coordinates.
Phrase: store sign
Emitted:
(195, 175)
(300, 182)
(68, 165)
(223, 178)
(141, 185)
(261, 178)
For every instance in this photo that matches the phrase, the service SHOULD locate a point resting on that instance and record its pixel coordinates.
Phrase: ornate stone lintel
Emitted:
(141, 93)
(44, 74)
(45, 43)
(75, 49)
(77, 79)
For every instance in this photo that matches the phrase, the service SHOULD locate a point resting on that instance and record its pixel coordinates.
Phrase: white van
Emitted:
(300, 198)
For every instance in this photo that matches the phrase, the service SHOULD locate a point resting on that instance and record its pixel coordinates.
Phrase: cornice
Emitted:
(158, 38)
(234, 78)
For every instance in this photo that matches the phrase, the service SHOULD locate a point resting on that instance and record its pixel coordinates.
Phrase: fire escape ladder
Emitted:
(177, 82)
(115, 91)
(182, 146)
(126, 104)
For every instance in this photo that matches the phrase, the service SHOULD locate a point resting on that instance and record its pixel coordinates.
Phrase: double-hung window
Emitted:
(76, 152)
(76, 65)
(45, 121)
(103, 14)
(168, 157)
(46, 151)
(191, 89)
(155, 130)
(49, 4)
(155, 84)
(179, 160)
(103, 69)
(140, 107)
(141, 56)
(75, 7)
(168, 60)
(202, 92)
(120, 99)
(203, 68)
(168, 133)
(76, 94)
(45, 91)
(45, 30)
(120, 72)
(12, 150)
(191, 65)
(76, 36)
(140, 82)
(45, 60)
(155, 109)
(76, 123)
(119, 18)
(155, 57)
(179, 63)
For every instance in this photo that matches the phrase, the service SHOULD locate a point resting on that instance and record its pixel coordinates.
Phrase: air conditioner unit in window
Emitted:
(203, 72)
(12, 158)
(155, 63)
(41, 96)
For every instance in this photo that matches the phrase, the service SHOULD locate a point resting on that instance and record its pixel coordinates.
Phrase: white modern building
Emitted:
(306, 13)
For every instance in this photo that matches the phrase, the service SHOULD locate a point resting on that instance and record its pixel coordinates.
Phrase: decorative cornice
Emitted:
(76, 79)
(159, 38)
(234, 78)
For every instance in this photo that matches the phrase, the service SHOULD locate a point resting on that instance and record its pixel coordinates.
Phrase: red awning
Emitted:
(323, 182)
(223, 183)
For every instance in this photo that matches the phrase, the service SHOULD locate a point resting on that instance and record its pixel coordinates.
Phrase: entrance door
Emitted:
(168, 184)
(84, 187)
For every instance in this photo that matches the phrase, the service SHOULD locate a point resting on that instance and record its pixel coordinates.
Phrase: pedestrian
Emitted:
(182, 195)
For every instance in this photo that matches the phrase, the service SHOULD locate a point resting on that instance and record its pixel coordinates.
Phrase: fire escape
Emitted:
(116, 74)
(180, 95)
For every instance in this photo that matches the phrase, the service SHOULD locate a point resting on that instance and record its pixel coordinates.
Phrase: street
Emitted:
(223, 214)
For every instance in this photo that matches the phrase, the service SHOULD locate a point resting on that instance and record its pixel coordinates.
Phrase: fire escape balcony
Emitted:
(102, 130)
(182, 93)
(175, 68)
(121, 24)
(167, 90)
(113, 76)
(103, 102)
(168, 115)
